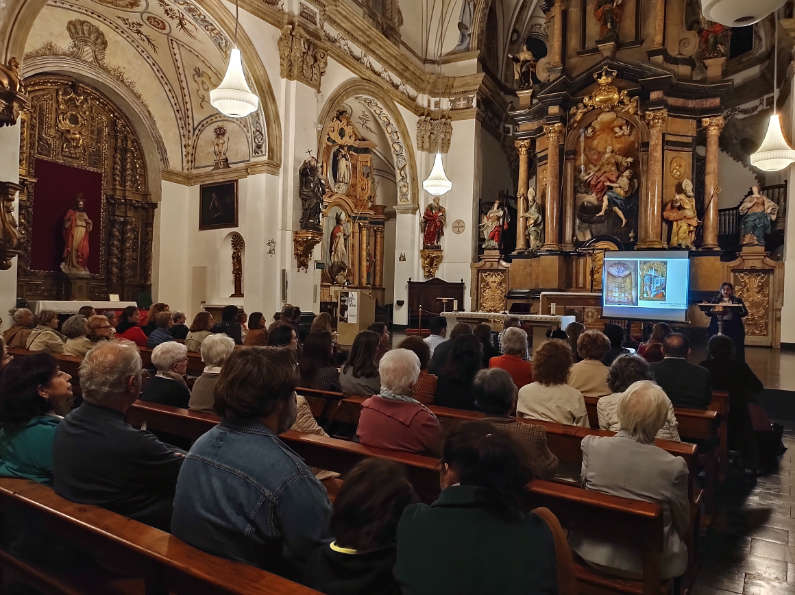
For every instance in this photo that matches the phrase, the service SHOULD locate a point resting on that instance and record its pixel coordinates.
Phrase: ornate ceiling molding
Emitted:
(300, 57)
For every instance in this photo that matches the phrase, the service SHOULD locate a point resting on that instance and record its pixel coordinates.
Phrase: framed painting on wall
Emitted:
(218, 205)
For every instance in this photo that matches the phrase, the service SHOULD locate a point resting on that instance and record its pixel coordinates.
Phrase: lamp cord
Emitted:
(775, 59)
(237, 13)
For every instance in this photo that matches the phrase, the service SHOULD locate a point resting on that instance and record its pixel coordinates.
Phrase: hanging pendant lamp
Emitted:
(774, 153)
(738, 13)
(233, 97)
(437, 182)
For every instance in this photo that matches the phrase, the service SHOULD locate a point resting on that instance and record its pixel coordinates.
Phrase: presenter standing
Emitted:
(728, 320)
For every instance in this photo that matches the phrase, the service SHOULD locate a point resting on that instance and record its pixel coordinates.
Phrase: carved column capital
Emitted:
(713, 124)
(656, 118)
(12, 97)
(300, 57)
(522, 147)
(553, 132)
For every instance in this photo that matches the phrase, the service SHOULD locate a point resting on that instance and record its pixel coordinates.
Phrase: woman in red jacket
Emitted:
(128, 326)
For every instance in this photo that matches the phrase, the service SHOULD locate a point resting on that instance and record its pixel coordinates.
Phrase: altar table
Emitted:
(72, 306)
(540, 323)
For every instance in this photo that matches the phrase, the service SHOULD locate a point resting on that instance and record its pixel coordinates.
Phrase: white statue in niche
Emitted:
(341, 170)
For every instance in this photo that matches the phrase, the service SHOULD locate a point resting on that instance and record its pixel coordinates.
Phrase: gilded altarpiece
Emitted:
(74, 125)
(759, 281)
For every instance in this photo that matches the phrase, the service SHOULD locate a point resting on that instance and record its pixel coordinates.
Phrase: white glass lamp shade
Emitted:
(774, 153)
(437, 182)
(233, 98)
(738, 13)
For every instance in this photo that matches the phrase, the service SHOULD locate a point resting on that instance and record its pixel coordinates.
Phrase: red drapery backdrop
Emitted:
(56, 188)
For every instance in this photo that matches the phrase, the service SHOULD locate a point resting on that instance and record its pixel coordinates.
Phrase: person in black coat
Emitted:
(442, 350)
(230, 325)
(364, 522)
(454, 387)
(168, 387)
(686, 384)
(733, 326)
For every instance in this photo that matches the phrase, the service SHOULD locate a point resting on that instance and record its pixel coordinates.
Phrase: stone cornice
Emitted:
(219, 175)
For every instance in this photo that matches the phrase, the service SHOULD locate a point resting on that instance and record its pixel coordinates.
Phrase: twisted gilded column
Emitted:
(714, 125)
(363, 255)
(554, 133)
(567, 241)
(523, 148)
(650, 212)
(378, 230)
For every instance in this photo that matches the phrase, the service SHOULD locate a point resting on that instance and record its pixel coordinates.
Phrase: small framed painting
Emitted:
(218, 205)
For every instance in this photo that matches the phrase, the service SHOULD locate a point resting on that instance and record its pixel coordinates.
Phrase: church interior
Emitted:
(407, 167)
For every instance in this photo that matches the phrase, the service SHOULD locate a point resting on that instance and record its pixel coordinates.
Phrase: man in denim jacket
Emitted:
(242, 493)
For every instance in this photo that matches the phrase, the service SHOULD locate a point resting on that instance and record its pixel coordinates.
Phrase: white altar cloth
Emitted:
(540, 322)
(72, 306)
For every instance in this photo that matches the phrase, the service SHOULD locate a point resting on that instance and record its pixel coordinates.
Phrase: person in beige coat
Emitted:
(589, 376)
(75, 329)
(45, 337)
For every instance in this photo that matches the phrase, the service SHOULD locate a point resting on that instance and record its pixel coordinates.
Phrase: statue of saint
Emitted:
(606, 171)
(534, 222)
(608, 13)
(433, 220)
(617, 195)
(311, 192)
(76, 228)
(493, 223)
(524, 67)
(342, 177)
(338, 250)
(681, 212)
(758, 214)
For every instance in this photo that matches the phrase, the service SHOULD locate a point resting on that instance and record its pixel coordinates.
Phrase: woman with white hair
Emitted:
(75, 328)
(168, 387)
(630, 465)
(214, 349)
(393, 418)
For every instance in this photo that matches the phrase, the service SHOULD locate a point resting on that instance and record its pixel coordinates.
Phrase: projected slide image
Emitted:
(653, 280)
(621, 283)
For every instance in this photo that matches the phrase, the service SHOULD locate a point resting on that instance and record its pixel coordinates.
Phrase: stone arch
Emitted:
(393, 125)
(479, 18)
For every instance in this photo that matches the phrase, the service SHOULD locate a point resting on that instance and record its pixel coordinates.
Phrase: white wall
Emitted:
(9, 172)
(734, 180)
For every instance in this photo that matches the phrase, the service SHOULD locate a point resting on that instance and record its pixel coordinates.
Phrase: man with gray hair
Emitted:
(514, 358)
(17, 335)
(98, 458)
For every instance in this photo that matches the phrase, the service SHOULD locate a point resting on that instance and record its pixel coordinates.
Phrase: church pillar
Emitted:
(650, 212)
(659, 24)
(567, 242)
(557, 44)
(378, 279)
(363, 252)
(523, 148)
(714, 126)
(552, 202)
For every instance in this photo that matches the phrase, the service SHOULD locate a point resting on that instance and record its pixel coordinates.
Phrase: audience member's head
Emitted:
(47, 318)
(203, 321)
(477, 454)
(615, 335)
(113, 319)
(316, 354)
(556, 333)
(642, 410)
(259, 382)
(154, 310)
(178, 318)
(31, 386)
(483, 332)
(129, 317)
(625, 370)
(659, 331)
(229, 314)
(99, 328)
(494, 392)
(514, 341)
(322, 322)
(241, 316)
(361, 359)
(75, 326)
(512, 321)
(382, 331)
(256, 320)
(420, 349)
(110, 375)
(573, 332)
(171, 356)
(24, 317)
(438, 326)
(676, 345)
(87, 311)
(216, 348)
(721, 348)
(369, 504)
(593, 344)
(465, 357)
(399, 370)
(283, 336)
(462, 329)
(552, 362)
(163, 320)
(295, 314)
(286, 315)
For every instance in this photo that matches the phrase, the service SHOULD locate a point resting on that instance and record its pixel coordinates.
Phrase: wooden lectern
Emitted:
(355, 313)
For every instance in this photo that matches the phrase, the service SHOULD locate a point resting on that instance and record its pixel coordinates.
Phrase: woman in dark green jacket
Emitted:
(34, 394)
(478, 537)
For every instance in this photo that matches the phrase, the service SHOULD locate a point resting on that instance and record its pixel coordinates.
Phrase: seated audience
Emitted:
(364, 524)
(168, 386)
(87, 311)
(242, 493)
(359, 374)
(98, 458)
(442, 351)
(615, 335)
(495, 394)
(230, 325)
(128, 328)
(257, 334)
(625, 371)
(589, 376)
(573, 332)
(179, 330)
(454, 388)
(425, 388)
(5, 357)
(45, 336)
(161, 333)
(507, 323)
(75, 330)
(241, 320)
(478, 537)
(285, 317)
(99, 328)
(631, 466)
(317, 362)
(686, 384)
(34, 394)
(384, 339)
(215, 350)
(112, 319)
(514, 349)
(322, 322)
(651, 350)
(483, 333)
(151, 319)
(438, 332)
(283, 335)
(392, 418)
(549, 398)
(200, 329)
(17, 335)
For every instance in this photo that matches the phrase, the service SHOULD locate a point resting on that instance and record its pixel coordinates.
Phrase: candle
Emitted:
(552, 307)
(455, 305)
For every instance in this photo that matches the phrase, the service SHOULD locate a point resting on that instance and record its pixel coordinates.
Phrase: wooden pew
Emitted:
(153, 560)
(720, 403)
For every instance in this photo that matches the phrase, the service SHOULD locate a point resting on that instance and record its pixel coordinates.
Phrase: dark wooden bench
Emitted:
(150, 560)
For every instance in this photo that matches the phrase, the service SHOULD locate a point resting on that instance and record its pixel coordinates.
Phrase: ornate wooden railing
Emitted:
(729, 221)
